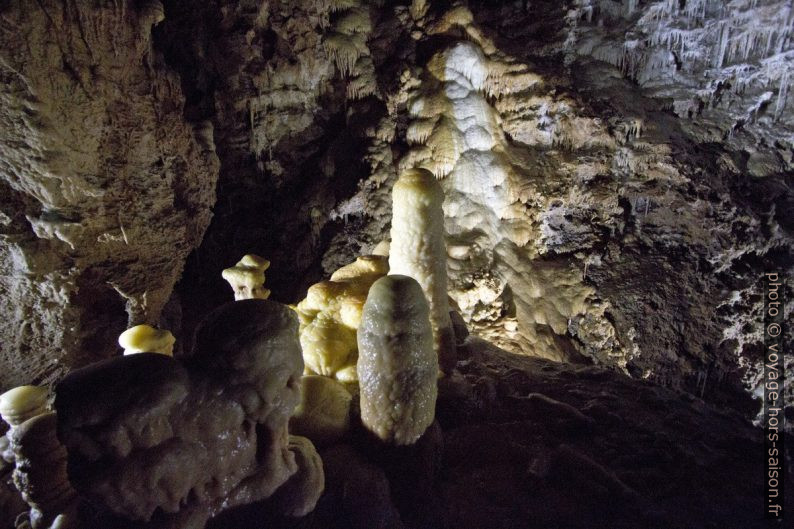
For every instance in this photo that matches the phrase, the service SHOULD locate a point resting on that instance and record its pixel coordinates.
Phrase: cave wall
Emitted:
(617, 180)
(105, 187)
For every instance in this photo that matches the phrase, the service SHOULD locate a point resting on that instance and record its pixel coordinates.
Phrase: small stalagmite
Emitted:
(147, 339)
(247, 277)
(22, 403)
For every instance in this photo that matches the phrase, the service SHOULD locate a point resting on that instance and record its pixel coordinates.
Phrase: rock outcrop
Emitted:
(104, 187)
(617, 174)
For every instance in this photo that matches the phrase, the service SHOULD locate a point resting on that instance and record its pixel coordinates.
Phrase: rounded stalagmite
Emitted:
(146, 339)
(397, 367)
(22, 403)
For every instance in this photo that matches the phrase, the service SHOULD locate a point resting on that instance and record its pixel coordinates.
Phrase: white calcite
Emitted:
(417, 250)
(397, 367)
(458, 134)
(727, 63)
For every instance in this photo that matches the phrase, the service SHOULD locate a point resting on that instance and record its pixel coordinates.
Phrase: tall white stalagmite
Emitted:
(418, 251)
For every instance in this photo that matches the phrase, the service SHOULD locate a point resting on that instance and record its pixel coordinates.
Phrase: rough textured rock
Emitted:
(11, 503)
(104, 188)
(398, 363)
(41, 476)
(617, 174)
(726, 64)
(671, 217)
(588, 219)
(358, 492)
(595, 219)
(545, 444)
(167, 444)
(259, 72)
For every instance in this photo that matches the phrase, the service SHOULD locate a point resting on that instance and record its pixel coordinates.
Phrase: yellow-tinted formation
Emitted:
(22, 403)
(324, 412)
(417, 250)
(247, 277)
(147, 339)
(330, 315)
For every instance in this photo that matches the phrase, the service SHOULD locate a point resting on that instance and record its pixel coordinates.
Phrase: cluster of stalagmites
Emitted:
(169, 442)
(165, 442)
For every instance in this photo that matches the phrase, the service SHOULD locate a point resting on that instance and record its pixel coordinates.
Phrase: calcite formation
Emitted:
(146, 339)
(300, 494)
(38, 458)
(330, 315)
(346, 44)
(603, 163)
(17, 405)
(728, 64)
(11, 502)
(247, 277)
(104, 186)
(417, 250)
(572, 195)
(397, 366)
(22, 403)
(323, 414)
(458, 133)
(152, 439)
(41, 476)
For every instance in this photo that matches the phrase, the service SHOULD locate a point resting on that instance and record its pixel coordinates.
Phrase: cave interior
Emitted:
(422, 264)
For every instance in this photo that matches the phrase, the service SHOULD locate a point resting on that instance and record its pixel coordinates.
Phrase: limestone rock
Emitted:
(155, 440)
(105, 188)
(323, 414)
(397, 365)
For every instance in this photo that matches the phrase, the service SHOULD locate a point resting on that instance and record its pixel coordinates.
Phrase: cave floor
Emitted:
(520, 442)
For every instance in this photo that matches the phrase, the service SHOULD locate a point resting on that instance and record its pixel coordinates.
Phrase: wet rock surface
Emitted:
(155, 442)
